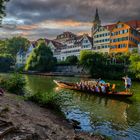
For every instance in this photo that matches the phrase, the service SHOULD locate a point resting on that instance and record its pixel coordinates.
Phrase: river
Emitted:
(117, 119)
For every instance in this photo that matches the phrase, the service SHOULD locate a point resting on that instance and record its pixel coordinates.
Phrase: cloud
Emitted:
(27, 27)
(32, 11)
(48, 17)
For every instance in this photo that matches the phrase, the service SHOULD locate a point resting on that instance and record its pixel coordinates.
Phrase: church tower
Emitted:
(96, 22)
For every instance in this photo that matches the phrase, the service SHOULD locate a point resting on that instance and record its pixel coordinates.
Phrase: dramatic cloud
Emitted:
(37, 18)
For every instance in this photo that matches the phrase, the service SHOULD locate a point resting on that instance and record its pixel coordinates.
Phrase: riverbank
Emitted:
(57, 74)
(21, 119)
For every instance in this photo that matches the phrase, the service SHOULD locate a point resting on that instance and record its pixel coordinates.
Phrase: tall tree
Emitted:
(41, 59)
(135, 64)
(2, 9)
(6, 62)
(15, 44)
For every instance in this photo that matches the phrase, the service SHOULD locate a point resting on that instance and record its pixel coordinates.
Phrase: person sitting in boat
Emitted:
(103, 88)
(77, 85)
(83, 86)
(92, 88)
(107, 87)
(80, 85)
(127, 83)
(100, 81)
(97, 90)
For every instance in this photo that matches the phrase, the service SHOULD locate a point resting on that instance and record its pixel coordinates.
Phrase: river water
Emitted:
(117, 119)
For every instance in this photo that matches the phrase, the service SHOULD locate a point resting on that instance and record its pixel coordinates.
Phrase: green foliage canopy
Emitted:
(41, 59)
(135, 64)
(15, 44)
(6, 62)
(98, 65)
(73, 60)
(2, 9)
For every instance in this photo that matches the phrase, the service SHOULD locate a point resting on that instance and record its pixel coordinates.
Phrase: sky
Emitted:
(36, 19)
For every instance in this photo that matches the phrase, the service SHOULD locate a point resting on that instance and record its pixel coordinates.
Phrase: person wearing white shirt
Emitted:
(128, 83)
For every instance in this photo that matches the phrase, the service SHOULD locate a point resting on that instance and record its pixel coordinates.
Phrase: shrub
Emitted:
(51, 100)
(15, 83)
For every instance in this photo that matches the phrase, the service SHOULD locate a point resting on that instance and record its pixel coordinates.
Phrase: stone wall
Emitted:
(71, 69)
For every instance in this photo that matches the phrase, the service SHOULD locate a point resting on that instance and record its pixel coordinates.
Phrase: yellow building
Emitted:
(123, 38)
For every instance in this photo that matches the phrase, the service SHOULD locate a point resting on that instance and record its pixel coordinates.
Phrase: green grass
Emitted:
(50, 100)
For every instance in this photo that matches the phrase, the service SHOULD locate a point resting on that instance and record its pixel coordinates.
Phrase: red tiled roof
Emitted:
(66, 34)
(110, 27)
(57, 44)
(134, 23)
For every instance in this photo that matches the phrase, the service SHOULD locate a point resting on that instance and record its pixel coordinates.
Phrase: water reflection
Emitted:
(119, 119)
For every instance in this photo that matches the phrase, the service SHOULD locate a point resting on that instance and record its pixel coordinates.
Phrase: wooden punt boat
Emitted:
(73, 86)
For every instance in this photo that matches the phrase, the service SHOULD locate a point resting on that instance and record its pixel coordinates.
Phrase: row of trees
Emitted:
(112, 66)
(41, 58)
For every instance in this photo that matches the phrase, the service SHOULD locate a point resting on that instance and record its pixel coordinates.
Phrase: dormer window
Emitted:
(120, 25)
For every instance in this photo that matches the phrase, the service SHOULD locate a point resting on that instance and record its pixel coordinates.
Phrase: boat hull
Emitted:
(72, 86)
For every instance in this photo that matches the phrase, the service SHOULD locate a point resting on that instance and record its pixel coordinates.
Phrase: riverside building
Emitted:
(115, 38)
(124, 38)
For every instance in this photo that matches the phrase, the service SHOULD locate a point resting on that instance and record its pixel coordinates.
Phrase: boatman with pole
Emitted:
(127, 82)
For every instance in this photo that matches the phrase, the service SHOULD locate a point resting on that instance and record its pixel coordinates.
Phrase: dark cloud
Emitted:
(30, 12)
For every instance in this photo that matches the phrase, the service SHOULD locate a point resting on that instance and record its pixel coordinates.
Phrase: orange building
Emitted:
(123, 38)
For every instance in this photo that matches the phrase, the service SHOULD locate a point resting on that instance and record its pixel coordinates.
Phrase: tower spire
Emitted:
(97, 15)
(96, 22)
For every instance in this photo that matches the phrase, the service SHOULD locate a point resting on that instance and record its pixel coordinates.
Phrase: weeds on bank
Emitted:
(14, 83)
(50, 100)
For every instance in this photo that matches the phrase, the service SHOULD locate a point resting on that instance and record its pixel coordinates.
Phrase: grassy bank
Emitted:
(15, 83)
(50, 100)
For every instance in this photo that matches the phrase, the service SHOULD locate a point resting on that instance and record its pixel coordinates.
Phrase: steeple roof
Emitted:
(97, 15)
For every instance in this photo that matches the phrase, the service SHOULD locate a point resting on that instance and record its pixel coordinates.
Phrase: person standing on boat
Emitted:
(128, 83)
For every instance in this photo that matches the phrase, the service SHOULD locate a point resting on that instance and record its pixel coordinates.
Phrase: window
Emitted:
(126, 31)
(120, 25)
(121, 32)
(121, 45)
(116, 33)
(112, 34)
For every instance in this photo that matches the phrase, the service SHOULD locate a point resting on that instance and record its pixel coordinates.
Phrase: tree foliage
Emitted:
(135, 64)
(41, 59)
(15, 44)
(98, 65)
(6, 62)
(2, 9)
(72, 60)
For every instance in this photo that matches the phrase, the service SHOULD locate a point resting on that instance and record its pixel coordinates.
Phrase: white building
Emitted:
(30, 49)
(74, 45)
(100, 35)
(56, 49)
(22, 56)
(101, 40)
